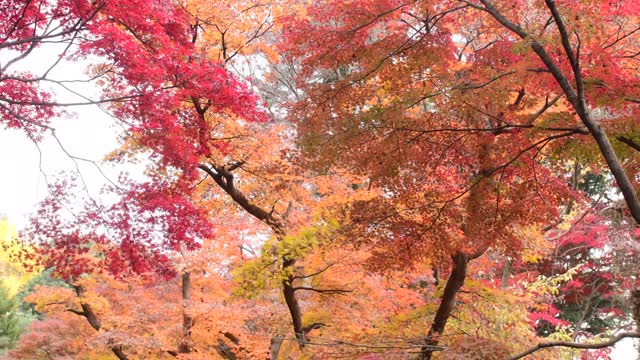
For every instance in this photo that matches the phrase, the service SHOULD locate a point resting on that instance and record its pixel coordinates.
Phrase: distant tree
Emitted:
(9, 320)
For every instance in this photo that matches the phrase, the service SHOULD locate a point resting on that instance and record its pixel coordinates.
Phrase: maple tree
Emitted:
(174, 156)
(401, 90)
(405, 183)
(589, 295)
(149, 59)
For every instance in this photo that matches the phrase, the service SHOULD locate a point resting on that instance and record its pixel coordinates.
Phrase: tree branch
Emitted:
(634, 145)
(564, 37)
(575, 345)
(77, 312)
(315, 273)
(577, 101)
(323, 291)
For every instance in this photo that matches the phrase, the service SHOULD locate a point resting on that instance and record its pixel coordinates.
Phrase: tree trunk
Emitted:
(274, 348)
(93, 320)
(506, 273)
(454, 283)
(187, 320)
(627, 189)
(292, 302)
(224, 178)
(473, 228)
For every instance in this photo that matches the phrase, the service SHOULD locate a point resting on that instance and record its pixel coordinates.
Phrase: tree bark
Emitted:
(506, 273)
(289, 293)
(187, 320)
(454, 283)
(274, 348)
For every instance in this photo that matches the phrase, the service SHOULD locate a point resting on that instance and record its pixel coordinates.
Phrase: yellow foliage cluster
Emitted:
(12, 272)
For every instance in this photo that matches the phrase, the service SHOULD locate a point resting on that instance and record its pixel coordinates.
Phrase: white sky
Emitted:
(86, 132)
(625, 350)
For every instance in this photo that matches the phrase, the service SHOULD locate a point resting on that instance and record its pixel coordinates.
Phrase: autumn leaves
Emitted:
(341, 179)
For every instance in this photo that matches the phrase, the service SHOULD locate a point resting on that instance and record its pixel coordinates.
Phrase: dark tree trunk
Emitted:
(224, 178)
(289, 293)
(93, 320)
(454, 283)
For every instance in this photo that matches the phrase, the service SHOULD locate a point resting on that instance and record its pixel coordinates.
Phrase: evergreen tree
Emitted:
(9, 320)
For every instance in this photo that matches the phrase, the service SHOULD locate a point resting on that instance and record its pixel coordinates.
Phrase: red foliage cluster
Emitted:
(159, 86)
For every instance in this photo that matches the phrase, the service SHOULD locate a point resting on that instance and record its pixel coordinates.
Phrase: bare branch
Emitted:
(77, 312)
(634, 145)
(315, 273)
(575, 345)
(323, 291)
